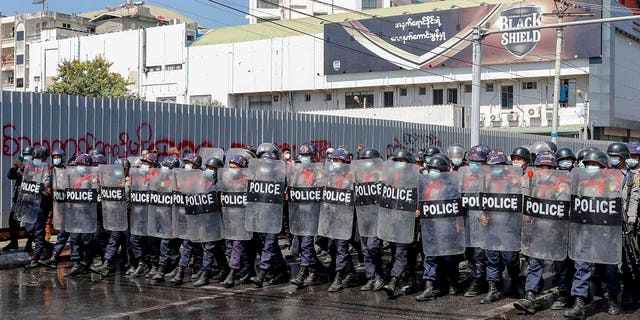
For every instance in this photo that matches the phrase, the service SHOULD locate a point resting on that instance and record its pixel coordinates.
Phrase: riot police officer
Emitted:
(15, 174)
(457, 155)
(566, 159)
(57, 159)
(36, 230)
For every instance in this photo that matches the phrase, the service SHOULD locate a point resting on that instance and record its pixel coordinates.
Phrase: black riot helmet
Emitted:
(27, 151)
(583, 152)
(214, 163)
(369, 153)
(268, 148)
(565, 153)
(619, 149)
(430, 152)
(521, 152)
(439, 163)
(404, 154)
(597, 157)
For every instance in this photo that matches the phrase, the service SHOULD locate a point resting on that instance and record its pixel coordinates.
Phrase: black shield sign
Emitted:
(520, 43)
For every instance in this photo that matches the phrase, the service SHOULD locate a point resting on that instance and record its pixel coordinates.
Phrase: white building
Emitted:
(267, 66)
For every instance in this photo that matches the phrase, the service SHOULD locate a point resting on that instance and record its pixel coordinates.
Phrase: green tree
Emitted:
(90, 78)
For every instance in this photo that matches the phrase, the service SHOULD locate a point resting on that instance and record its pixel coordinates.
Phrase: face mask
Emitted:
(433, 173)
(632, 163)
(497, 171)
(305, 159)
(145, 168)
(287, 156)
(615, 161)
(565, 164)
(37, 162)
(57, 161)
(518, 164)
(592, 169)
(28, 157)
(456, 162)
(473, 164)
(209, 173)
(188, 166)
(164, 169)
(580, 164)
(81, 170)
(399, 165)
(334, 166)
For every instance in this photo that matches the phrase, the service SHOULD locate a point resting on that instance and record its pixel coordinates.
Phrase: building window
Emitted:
(20, 59)
(66, 26)
(369, 4)
(166, 99)
(488, 87)
(403, 92)
(438, 96)
(327, 97)
(268, 4)
(171, 67)
(532, 85)
(468, 88)
(260, 102)
(190, 37)
(360, 99)
(422, 91)
(276, 98)
(452, 96)
(36, 79)
(153, 68)
(200, 100)
(20, 36)
(506, 100)
(91, 30)
(307, 97)
(20, 83)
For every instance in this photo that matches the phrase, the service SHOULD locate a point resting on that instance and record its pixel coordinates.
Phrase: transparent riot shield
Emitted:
(336, 211)
(237, 151)
(545, 225)
(398, 203)
(162, 183)
(208, 153)
(81, 200)
(34, 182)
(202, 208)
(139, 195)
(595, 228)
(305, 198)
(114, 197)
(441, 215)
(265, 195)
(501, 204)
(367, 190)
(471, 185)
(60, 183)
(233, 202)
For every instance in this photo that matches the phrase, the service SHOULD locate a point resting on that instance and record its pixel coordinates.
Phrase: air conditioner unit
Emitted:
(533, 112)
(512, 117)
(495, 118)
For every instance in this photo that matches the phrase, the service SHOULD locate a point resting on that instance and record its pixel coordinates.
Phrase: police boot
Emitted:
(337, 284)
(248, 274)
(303, 273)
(628, 299)
(613, 307)
(372, 283)
(105, 269)
(392, 288)
(474, 289)
(220, 276)
(130, 270)
(76, 269)
(429, 293)
(171, 274)
(528, 304)
(411, 287)
(177, 279)
(258, 279)
(12, 246)
(559, 303)
(152, 272)
(493, 294)
(159, 275)
(280, 276)
(577, 312)
(230, 281)
(32, 264)
(203, 280)
(51, 262)
(195, 272)
(141, 270)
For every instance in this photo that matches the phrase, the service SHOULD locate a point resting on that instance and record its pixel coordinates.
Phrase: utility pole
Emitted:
(475, 86)
(561, 8)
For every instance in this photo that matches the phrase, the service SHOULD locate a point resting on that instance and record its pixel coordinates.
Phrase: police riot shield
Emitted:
(60, 183)
(139, 195)
(162, 183)
(202, 208)
(441, 214)
(545, 224)
(471, 184)
(305, 198)
(336, 212)
(237, 151)
(233, 202)
(81, 200)
(501, 204)
(595, 222)
(34, 181)
(187, 182)
(265, 195)
(114, 200)
(134, 161)
(367, 191)
(208, 153)
(398, 202)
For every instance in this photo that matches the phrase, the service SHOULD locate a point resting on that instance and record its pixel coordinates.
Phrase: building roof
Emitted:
(315, 25)
(562, 130)
(155, 11)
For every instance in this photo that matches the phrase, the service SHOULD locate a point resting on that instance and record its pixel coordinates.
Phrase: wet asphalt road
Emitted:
(47, 294)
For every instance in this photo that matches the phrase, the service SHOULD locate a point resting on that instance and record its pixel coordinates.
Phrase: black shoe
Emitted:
(303, 273)
(78, 268)
(105, 269)
(475, 289)
(220, 276)
(392, 288)
(258, 279)
(159, 275)
(32, 264)
(411, 287)
(515, 289)
(369, 285)
(171, 274)
(528, 304)
(12, 246)
(142, 269)
(560, 303)
(379, 282)
(152, 272)
(246, 278)
(130, 271)
(337, 284)
(613, 307)
(51, 263)
(493, 294)
(628, 300)
(230, 281)
(178, 278)
(196, 272)
(429, 293)
(577, 312)
(203, 280)
(280, 277)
